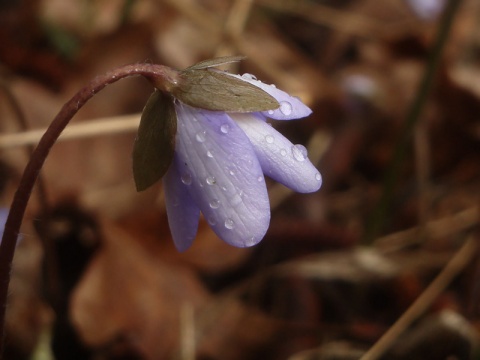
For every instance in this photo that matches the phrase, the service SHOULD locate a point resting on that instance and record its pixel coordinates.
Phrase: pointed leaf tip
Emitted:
(154, 145)
(215, 62)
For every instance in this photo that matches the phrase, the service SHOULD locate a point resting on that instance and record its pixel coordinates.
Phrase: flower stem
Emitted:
(154, 73)
(380, 213)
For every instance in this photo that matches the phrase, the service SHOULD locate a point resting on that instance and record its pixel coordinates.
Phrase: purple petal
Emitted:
(427, 9)
(3, 220)
(182, 212)
(280, 159)
(226, 178)
(290, 107)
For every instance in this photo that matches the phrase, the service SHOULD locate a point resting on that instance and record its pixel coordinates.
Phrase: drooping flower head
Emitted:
(219, 147)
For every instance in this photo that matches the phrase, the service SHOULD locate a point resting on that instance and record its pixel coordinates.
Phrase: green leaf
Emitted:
(155, 142)
(215, 90)
(205, 64)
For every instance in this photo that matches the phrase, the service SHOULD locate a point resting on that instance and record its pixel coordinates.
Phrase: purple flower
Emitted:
(3, 220)
(219, 165)
(427, 9)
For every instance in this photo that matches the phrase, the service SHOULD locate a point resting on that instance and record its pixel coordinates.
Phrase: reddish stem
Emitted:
(156, 74)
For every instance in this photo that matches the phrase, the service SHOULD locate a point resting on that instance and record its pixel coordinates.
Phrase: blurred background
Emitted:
(96, 275)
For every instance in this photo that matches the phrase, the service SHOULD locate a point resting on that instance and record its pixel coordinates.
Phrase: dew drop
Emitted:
(286, 108)
(229, 224)
(225, 128)
(318, 177)
(212, 221)
(231, 172)
(186, 179)
(214, 204)
(269, 139)
(209, 154)
(271, 112)
(211, 180)
(247, 76)
(283, 152)
(260, 179)
(200, 136)
(299, 152)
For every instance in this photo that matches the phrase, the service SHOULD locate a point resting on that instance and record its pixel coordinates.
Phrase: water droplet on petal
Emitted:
(225, 128)
(211, 180)
(200, 136)
(247, 76)
(209, 154)
(269, 139)
(186, 179)
(271, 112)
(283, 152)
(286, 108)
(260, 179)
(212, 221)
(318, 177)
(214, 204)
(231, 172)
(299, 152)
(229, 224)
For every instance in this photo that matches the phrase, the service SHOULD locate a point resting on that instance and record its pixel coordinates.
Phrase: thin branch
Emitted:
(461, 259)
(435, 229)
(96, 127)
(378, 218)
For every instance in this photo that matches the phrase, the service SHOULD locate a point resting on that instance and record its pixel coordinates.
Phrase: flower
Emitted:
(427, 9)
(218, 168)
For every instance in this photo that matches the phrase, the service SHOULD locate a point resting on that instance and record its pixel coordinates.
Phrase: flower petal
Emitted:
(280, 159)
(221, 171)
(182, 212)
(290, 107)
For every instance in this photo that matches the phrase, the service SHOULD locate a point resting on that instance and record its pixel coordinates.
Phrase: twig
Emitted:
(235, 24)
(422, 168)
(435, 229)
(187, 332)
(350, 23)
(377, 220)
(154, 73)
(452, 269)
(97, 127)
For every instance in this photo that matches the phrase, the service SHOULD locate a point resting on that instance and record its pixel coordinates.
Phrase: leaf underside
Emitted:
(154, 145)
(217, 91)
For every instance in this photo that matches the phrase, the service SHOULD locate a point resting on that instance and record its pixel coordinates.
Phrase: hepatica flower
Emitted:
(205, 132)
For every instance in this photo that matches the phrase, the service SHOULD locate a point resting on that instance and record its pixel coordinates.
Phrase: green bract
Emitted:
(155, 142)
(200, 87)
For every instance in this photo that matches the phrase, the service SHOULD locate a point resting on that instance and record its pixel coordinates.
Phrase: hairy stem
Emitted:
(154, 73)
